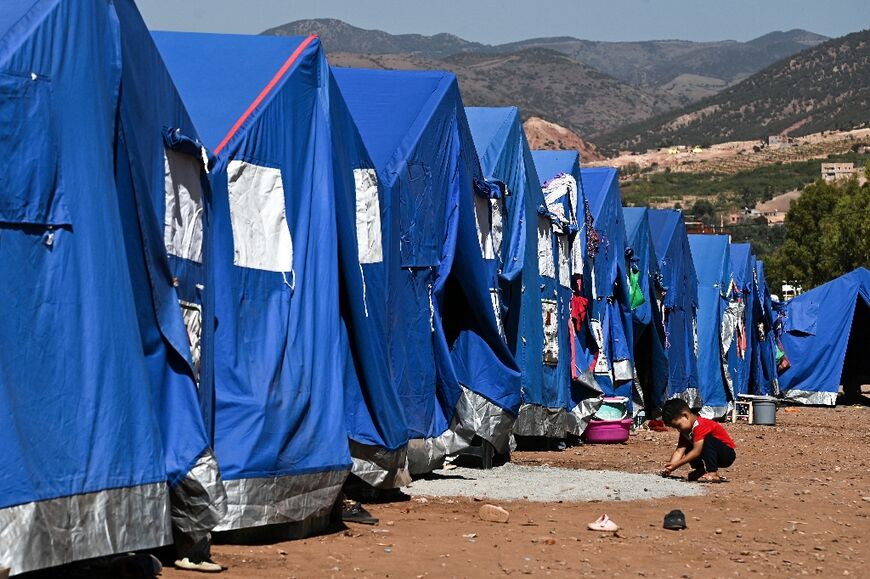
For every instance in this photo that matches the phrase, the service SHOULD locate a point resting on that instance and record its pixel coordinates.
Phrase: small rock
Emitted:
(736, 520)
(493, 514)
(867, 499)
(718, 531)
(387, 550)
(282, 552)
(470, 535)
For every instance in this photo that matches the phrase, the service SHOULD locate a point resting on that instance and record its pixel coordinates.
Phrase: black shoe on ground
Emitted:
(354, 512)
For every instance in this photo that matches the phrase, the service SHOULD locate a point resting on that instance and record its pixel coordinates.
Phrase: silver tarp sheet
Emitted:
(811, 398)
(58, 531)
(379, 467)
(255, 502)
(578, 417)
(474, 415)
(199, 500)
(691, 397)
(537, 420)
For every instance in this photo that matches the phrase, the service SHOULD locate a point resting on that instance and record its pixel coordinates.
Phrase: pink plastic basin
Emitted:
(607, 431)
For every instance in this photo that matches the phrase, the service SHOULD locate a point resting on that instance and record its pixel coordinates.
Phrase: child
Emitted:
(703, 443)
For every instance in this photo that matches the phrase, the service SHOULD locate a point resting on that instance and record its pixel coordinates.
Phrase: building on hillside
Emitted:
(835, 171)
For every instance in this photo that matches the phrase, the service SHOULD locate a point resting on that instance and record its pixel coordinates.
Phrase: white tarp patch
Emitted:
(550, 319)
(555, 190)
(368, 217)
(261, 236)
(192, 314)
(489, 219)
(546, 262)
(496, 309)
(564, 264)
(602, 366)
(182, 189)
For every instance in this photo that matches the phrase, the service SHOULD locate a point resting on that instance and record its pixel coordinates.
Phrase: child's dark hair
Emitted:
(673, 408)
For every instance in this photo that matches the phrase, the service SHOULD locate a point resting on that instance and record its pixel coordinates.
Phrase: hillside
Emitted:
(546, 135)
(657, 62)
(542, 83)
(822, 88)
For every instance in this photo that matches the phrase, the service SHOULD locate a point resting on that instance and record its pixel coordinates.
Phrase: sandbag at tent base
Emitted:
(379, 467)
(537, 420)
(811, 398)
(255, 502)
(58, 531)
(474, 416)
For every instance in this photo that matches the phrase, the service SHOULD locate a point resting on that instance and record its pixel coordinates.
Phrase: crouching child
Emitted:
(704, 444)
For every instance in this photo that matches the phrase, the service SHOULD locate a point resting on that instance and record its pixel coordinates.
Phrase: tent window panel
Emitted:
(564, 263)
(546, 261)
(368, 217)
(192, 314)
(489, 218)
(550, 319)
(261, 236)
(182, 188)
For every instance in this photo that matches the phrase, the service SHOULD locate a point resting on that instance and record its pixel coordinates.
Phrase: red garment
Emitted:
(579, 311)
(702, 428)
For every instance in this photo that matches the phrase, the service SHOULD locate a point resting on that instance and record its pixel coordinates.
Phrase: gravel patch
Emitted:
(548, 484)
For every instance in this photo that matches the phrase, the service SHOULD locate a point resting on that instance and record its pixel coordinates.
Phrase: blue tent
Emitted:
(560, 175)
(825, 338)
(262, 106)
(764, 376)
(376, 426)
(679, 303)
(645, 294)
(740, 353)
(536, 322)
(99, 376)
(716, 321)
(453, 370)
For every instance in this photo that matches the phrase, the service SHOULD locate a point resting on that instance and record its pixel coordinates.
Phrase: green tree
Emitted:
(827, 234)
(867, 170)
(704, 211)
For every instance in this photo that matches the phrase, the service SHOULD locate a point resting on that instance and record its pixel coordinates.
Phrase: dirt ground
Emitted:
(798, 503)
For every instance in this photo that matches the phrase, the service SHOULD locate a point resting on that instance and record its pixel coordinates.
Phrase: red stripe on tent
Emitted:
(265, 92)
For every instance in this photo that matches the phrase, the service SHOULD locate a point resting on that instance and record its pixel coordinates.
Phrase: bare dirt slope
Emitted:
(546, 135)
(795, 506)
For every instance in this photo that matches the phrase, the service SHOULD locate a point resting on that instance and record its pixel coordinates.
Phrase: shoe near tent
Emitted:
(764, 376)
(826, 340)
(559, 173)
(712, 257)
(454, 373)
(536, 320)
(375, 421)
(740, 352)
(679, 304)
(104, 447)
(645, 293)
(262, 107)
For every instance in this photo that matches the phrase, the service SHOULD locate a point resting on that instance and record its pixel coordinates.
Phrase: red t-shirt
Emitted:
(701, 429)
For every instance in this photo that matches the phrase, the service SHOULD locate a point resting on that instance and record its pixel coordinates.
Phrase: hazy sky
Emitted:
(498, 21)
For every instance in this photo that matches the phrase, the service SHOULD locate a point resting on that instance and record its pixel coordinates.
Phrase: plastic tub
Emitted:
(608, 431)
(764, 412)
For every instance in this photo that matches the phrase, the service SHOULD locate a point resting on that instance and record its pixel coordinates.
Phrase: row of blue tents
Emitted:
(233, 276)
